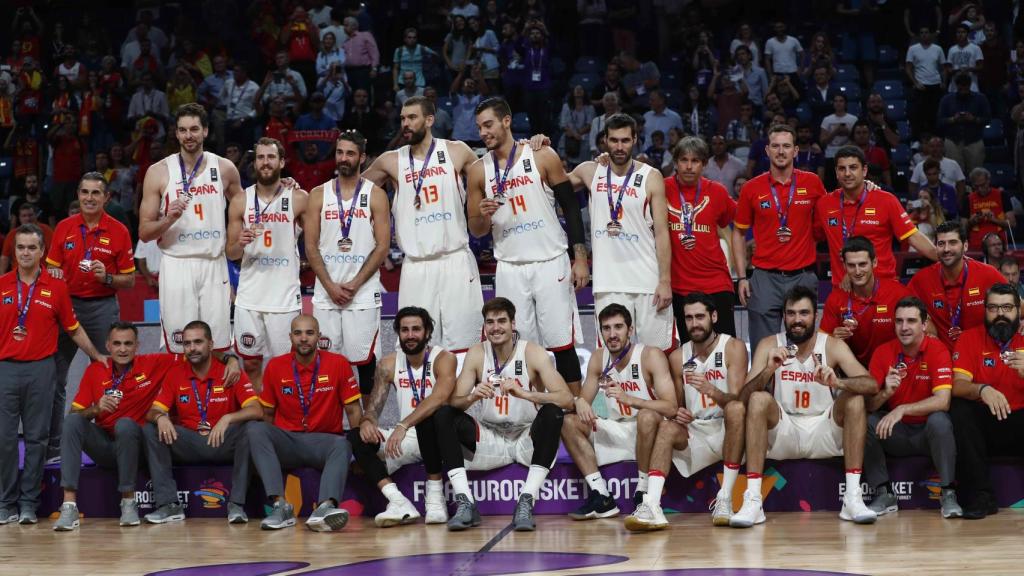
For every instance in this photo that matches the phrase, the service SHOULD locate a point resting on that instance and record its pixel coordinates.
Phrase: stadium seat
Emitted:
(993, 132)
(850, 89)
(890, 74)
(896, 110)
(888, 56)
(588, 64)
(901, 155)
(998, 154)
(1002, 175)
(889, 89)
(854, 107)
(803, 113)
(558, 67)
(588, 81)
(521, 123)
(903, 127)
(846, 73)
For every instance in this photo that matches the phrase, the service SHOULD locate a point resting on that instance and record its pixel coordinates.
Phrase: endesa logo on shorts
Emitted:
(522, 228)
(344, 258)
(199, 235)
(434, 218)
(268, 261)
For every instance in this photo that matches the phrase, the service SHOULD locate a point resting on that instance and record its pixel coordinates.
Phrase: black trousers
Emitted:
(978, 436)
(375, 468)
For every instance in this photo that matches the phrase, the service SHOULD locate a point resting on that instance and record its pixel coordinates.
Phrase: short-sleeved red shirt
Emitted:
(976, 203)
(8, 249)
(929, 372)
(109, 242)
(140, 387)
(336, 386)
(874, 315)
(704, 268)
(942, 297)
(178, 398)
(879, 218)
(757, 208)
(977, 357)
(49, 312)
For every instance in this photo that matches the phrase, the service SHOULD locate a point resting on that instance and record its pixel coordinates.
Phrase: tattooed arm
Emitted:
(368, 429)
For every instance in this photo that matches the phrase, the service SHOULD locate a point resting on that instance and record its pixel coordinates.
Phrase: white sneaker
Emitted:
(646, 518)
(437, 510)
(398, 512)
(750, 513)
(721, 510)
(855, 510)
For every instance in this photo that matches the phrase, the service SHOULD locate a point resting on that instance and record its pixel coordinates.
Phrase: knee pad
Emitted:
(568, 365)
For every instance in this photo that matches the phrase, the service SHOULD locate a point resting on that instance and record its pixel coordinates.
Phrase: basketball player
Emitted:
(521, 398)
(509, 197)
(345, 248)
(440, 273)
(262, 232)
(811, 413)
(635, 385)
(186, 216)
(630, 232)
(710, 369)
(423, 377)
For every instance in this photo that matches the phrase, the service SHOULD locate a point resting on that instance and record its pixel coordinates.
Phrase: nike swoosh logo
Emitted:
(562, 278)
(224, 282)
(765, 197)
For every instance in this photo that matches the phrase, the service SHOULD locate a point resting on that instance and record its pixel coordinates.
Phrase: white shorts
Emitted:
(449, 288)
(545, 301)
(703, 448)
(496, 448)
(194, 289)
(263, 334)
(355, 334)
(653, 327)
(410, 450)
(798, 436)
(614, 440)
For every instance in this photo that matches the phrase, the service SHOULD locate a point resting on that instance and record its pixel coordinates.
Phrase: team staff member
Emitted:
(908, 416)
(954, 288)
(988, 398)
(207, 427)
(697, 208)
(304, 395)
(93, 254)
(33, 307)
(856, 210)
(863, 315)
(779, 205)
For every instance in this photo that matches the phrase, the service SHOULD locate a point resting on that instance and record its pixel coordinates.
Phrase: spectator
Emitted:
(64, 100)
(969, 17)
(640, 79)
(315, 119)
(121, 177)
(310, 169)
(31, 193)
(361, 56)
(786, 89)
(622, 19)
(456, 45)
(809, 156)
(209, 95)
(1017, 116)
(193, 58)
(882, 131)
(993, 77)
(574, 120)
(333, 88)
(283, 82)
(484, 50)
(964, 57)
(660, 117)
(745, 37)
(924, 68)
(944, 198)
(467, 92)
(133, 48)
(148, 101)
(1016, 66)
(925, 213)
(492, 16)
(742, 132)
(29, 102)
(29, 27)
(71, 69)
(723, 167)
(751, 78)
(512, 57)
(704, 61)
(820, 94)
(654, 154)
(27, 214)
(773, 107)
(696, 114)
(278, 123)
(181, 89)
(319, 14)
(610, 105)
(592, 32)
(919, 14)
(330, 55)
(989, 209)
(409, 88)
(145, 63)
(836, 127)
(410, 56)
(728, 93)
(146, 29)
(950, 172)
(992, 249)
(239, 98)
(819, 55)
(962, 119)
(783, 53)
(111, 90)
(464, 8)
(442, 127)
(68, 152)
(876, 157)
(360, 116)
(334, 26)
(1010, 269)
(301, 40)
(537, 83)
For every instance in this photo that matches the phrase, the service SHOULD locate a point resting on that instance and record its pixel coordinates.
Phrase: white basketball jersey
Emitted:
(200, 232)
(438, 226)
(343, 266)
(716, 371)
(504, 411)
(795, 388)
(269, 276)
(631, 379)
(403, 381)
(627, 262)
(526, 227)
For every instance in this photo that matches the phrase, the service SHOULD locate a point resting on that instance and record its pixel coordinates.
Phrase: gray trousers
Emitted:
(95, 316)
(934, 438)
(120, 451)
(192, 448)
(26, 396)
(767, 293)
(273, 448)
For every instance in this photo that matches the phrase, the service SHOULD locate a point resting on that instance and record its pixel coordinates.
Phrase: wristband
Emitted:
(982, 389)
(159, 416)
(403, 426)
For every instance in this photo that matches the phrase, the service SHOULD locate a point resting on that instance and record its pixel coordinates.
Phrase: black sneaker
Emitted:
(638, 497)
(596, 506)
(983, 505)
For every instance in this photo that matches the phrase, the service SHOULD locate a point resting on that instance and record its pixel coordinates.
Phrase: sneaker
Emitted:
(166, 513)
(282, 516)
(437, 509)
(983, 505)
(327, 518)
(646, 518)
(129, 512)
(7, 516)
(884, 502)
(27, 516)
(236, 514)
(522, 520)
(398, 512)
(638, 497)
(68, 519)
(950, 507)
(721, 510)
(596, 506)
(750, 513)
(466, 514)
(855, 510)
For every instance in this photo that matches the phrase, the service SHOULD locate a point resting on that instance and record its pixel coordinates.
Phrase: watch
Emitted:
(108, 279)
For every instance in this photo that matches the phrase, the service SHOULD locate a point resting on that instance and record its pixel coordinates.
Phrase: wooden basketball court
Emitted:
(908, 542)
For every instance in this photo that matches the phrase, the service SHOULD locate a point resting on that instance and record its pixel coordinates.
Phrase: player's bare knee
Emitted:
(252, 365)
(757, 405)
(735, 411)
(647, 421)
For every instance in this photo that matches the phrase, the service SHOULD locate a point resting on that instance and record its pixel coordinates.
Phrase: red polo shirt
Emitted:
(977, 357)
(928, 373)
(976, 203)
(336, 386)
(875, 317)
(8, 249)
(879, 218)
(703, 269)
(50, 311)
(178, 399)
(757, 208)
(109, 242)
(942, 297)
(140, 388)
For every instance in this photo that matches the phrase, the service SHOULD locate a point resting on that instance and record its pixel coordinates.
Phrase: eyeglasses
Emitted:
(1004, 308)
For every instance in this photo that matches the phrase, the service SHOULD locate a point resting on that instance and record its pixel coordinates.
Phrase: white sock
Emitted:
(534, 479)
(596, 482)
(729, 475)
(655, 484)
(392, 493)
(73, 503)
(435, 486)
(853, 482)
(641, 486)
(460, 483)
(754, 486)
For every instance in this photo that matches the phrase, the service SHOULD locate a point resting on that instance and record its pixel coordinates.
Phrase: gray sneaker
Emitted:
(166, 513)
(282, 516)
(327, 518)
(129, 512)
(236, 515)
(27, 516)
(466, 514)
(884, 501)
(7, 515)
(522, 520)
(68, 520)
(950, 507)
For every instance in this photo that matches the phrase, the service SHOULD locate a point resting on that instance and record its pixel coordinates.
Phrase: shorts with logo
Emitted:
(703, 448)
(545, 301)
(263, 334)
(497, 447)
(614, 440)
(800, 436)
(653, 327)
(410, 450)
(449, 288)
(194, 289)
(355, 334)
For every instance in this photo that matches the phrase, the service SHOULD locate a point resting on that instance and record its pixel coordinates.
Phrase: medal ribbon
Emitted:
(23, 305)
(346, 223)
(954, 319)
(203, 407)
(85, 240)
(303, 404)
(498, 367)
(612, 363)
(115, 379)
(850, 312)
(186, 181)
(778, 205)
(614, 208)
(417, 396)
(856, 214)
(500, 181)
(417, 185)
(256, 202)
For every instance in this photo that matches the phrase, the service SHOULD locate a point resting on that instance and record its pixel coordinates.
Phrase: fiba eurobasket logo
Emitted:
(212, 494)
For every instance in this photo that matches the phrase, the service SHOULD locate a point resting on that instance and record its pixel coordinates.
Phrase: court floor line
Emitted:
(463, 569)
